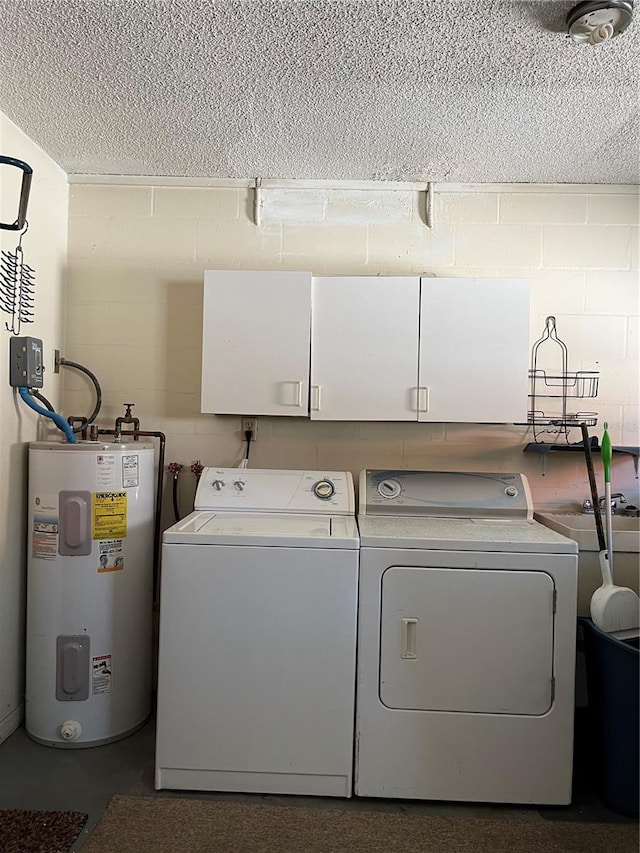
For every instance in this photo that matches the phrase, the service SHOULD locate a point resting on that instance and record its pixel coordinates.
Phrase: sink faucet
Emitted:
(587, 505)
(614, 499)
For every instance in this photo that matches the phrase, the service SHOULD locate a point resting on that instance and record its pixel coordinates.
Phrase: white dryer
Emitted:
(466, 641)
(258, 616)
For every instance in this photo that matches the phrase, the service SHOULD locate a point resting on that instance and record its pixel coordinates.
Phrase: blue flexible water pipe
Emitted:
(55, 417)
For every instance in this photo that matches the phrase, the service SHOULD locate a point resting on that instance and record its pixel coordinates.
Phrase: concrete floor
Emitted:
(33, 776)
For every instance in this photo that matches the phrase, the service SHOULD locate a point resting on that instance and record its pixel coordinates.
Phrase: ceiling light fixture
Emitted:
(597, 21)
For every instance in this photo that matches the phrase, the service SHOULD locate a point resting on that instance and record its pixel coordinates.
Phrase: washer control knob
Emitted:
(239, 485)
(511, 491)
(324, 489)
(389, 488)
(218, 485)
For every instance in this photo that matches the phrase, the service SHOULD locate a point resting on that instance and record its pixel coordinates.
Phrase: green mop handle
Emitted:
(606, 463)
(606, 454)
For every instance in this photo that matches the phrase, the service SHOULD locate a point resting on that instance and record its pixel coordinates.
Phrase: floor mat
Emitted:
(171, 825)
(28, 831)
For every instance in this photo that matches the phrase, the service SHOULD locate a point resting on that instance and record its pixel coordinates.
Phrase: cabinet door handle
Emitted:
(296, 399)
(419, 399)
(315, 398)
(409, 628)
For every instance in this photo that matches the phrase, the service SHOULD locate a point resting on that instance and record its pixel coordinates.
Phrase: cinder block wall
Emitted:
(137, 255)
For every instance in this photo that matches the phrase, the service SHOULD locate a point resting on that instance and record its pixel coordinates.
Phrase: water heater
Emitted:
(89, 591)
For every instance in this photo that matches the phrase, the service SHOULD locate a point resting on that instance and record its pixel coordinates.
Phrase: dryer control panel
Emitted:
(445, 494)
(265, 490)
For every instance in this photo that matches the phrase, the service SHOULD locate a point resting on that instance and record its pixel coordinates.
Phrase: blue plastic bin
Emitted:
(613, 689)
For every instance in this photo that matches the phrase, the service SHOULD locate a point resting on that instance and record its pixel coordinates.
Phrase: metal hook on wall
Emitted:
(27, 174)
(17, 284)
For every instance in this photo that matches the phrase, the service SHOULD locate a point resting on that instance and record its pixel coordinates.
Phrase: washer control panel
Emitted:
(262, 490)
(446, 494)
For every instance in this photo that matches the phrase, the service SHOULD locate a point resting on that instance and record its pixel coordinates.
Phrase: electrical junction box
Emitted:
(25, 363)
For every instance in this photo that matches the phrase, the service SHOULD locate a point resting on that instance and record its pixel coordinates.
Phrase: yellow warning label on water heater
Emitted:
(109, 515)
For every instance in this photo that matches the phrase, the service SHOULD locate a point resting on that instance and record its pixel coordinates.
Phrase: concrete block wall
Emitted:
(137, 253)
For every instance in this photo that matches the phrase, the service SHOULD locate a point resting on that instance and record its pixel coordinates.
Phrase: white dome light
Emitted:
(598, 21)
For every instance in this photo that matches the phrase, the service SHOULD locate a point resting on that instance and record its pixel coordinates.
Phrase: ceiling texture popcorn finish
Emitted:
(392, 90)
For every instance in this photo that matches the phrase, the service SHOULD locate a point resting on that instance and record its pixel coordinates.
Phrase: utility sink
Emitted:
(581, 527)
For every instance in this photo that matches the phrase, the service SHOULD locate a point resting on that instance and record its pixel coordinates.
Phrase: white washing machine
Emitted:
(466, 641)
(258, 620)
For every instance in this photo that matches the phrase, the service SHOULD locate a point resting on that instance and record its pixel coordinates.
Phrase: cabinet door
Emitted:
(364, 348)
(474, 350)
(255, 342)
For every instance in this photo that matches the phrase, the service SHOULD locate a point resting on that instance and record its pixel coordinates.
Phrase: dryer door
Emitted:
(467, 640)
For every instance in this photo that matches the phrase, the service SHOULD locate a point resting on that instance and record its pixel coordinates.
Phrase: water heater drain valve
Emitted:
(70, 730)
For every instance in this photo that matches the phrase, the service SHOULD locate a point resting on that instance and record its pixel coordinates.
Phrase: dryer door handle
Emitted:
(409, 631)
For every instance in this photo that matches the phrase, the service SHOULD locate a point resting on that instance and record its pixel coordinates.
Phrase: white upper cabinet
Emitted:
(364, 348)
(474, 350)
(255, 342)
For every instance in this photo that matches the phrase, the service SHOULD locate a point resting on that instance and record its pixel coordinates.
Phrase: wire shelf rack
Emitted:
(552, 391)
(581, 384)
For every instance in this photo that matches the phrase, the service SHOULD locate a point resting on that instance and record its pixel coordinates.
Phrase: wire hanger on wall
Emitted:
(17, 285)
(17, 279)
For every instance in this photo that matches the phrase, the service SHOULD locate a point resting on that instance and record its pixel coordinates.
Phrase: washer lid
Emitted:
(271, 530)
(462, 534)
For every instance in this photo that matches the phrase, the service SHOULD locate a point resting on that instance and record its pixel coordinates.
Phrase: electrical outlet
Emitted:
(249, 424)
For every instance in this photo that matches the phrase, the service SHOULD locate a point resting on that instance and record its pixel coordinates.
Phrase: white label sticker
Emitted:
(106, 471)
(44, 536)
(130, 475)
(101, 674)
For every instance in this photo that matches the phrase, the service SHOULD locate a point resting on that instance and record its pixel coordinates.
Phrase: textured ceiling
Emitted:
(410, 90)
